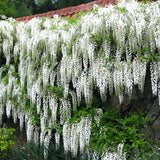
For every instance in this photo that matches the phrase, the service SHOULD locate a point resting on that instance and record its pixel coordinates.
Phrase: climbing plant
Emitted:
(115, 129)
(53, 69)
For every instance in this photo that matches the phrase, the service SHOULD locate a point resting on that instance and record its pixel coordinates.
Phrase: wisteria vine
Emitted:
(107, 49)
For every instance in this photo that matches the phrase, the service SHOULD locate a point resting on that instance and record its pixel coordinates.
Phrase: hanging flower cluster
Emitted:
(115, 156)
(108, 49)
(77, 135)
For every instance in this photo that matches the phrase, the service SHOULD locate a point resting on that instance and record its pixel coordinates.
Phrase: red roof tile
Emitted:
(66, 11)
(89, 6)
(100, 2)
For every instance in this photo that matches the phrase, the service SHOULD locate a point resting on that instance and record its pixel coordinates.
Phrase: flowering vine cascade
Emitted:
(49, 66)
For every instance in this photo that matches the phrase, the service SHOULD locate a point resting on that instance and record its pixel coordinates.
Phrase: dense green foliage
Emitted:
(16, 8)
(7, 140)
(7, 8)
(114, 129)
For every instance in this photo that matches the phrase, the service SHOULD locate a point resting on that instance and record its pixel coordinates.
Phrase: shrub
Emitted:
(7, 140)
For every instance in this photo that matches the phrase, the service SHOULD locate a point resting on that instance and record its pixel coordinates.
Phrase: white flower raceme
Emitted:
(77, 135)
(57, 139)
(119, 155)
(8, 109)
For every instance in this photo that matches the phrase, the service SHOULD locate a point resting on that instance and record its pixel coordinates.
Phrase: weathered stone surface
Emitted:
(156, 128)
(154, 111)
